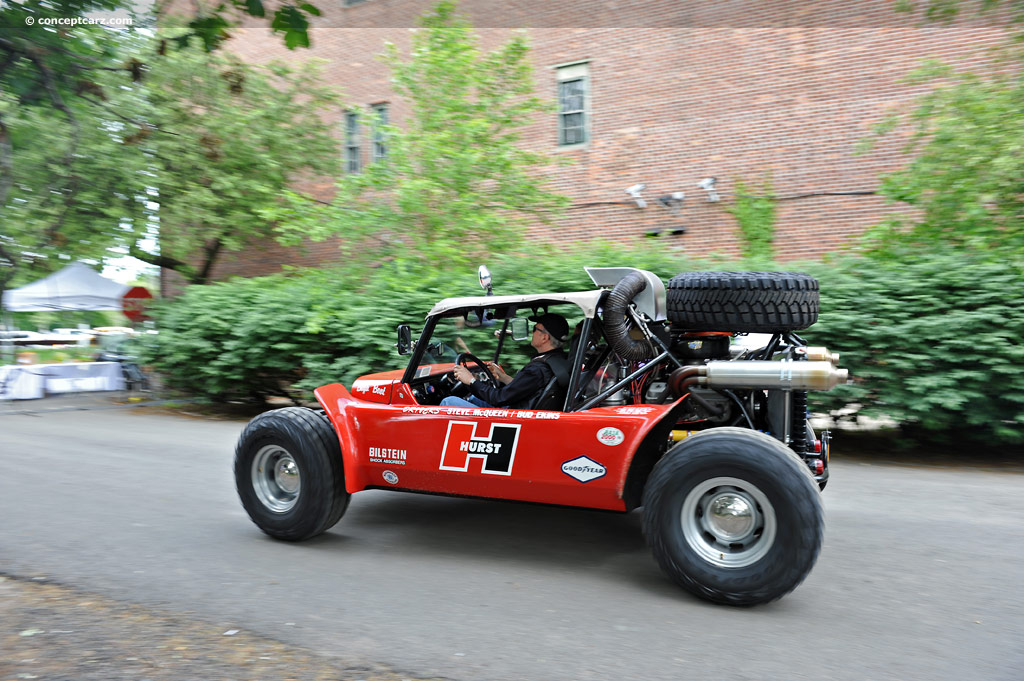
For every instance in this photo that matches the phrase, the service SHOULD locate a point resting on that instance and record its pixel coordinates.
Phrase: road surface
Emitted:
(920, 576)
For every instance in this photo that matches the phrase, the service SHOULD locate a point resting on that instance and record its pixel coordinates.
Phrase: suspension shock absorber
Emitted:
(798, 427)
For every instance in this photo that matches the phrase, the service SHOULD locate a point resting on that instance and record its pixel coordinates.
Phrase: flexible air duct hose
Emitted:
(616, 326)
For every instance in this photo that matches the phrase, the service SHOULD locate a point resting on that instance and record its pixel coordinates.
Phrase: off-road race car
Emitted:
(689, 401)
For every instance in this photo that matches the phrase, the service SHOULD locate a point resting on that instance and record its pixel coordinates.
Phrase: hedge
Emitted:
(290, 333)
(933, 342)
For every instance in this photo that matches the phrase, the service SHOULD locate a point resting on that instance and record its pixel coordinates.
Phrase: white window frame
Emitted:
(379, 144)
(575, 71)
(353, 163)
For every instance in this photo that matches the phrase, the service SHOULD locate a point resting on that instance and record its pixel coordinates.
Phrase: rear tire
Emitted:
(733, 516)
(742, 302)
(289, 473)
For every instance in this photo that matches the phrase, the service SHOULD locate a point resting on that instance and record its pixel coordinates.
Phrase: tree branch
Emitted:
(162, 261)
(6, 165)
(58, 103)
(11, 56)
(211, 249)
(141, 124)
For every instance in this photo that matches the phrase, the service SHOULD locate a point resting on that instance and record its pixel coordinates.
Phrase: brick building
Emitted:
(665, 94)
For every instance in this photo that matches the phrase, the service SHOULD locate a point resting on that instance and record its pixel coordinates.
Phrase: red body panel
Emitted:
(574, 459)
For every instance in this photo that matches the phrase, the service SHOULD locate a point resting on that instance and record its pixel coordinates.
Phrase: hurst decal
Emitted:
(493, 443)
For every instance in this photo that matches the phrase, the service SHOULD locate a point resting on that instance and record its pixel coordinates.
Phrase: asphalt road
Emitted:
(920, 576)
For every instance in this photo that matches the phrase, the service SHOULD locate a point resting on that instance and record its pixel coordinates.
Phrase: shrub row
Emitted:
(290, 333)
(934, 342)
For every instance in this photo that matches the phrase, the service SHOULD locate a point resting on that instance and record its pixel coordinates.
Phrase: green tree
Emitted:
(454, 179)
(51, 94)
(967, 178)
(211, 22)
(61, 108)
(228, 139)
(198, 148)
(945, 11)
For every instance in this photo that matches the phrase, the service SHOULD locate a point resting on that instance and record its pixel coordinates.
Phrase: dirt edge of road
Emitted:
(55, 631)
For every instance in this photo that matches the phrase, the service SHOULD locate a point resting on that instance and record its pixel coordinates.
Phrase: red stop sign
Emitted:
(133, 303)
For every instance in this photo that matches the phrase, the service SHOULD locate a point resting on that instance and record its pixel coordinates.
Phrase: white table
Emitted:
(32, 381)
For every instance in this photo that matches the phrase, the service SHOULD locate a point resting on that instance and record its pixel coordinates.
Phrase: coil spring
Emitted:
(798, 428)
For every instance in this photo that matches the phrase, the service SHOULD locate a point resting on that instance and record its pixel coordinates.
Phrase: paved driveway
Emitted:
(920, 577)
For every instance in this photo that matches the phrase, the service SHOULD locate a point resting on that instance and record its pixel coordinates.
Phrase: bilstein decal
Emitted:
(395, 457)
(584, 469)
(610, 436)
(495, 443)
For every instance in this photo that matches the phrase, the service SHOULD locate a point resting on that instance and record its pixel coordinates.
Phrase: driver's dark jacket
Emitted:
(528, 382)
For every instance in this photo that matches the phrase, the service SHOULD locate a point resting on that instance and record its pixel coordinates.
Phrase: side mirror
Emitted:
(484, 275)
(520, 329)
(404, 344)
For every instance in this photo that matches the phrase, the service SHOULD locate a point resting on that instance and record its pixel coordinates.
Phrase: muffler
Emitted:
(785, 375)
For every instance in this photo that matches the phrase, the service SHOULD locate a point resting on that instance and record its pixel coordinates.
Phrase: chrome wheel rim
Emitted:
(728, 522)
(276, 479)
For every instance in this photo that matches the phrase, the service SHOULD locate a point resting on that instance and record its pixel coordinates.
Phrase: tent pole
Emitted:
(7, 352)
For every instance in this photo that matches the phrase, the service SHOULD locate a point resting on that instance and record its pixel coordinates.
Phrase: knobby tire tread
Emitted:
(731, 452)
(745, 302)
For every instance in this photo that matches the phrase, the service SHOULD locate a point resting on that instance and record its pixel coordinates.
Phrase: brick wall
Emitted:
(679, 91)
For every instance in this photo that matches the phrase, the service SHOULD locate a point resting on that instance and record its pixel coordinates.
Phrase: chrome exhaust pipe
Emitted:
(816, 353)
(784, 375)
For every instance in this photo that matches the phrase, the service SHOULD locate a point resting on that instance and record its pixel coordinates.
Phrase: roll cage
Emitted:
(588, 338)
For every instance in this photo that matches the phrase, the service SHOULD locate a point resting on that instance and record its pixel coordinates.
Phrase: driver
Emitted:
(549, 335)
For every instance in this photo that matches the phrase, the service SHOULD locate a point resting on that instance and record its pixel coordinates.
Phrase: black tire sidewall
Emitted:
(307, 437)
(790, 490)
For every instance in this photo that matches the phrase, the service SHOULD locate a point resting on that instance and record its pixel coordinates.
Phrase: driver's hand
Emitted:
(498, 373)
(463, 375)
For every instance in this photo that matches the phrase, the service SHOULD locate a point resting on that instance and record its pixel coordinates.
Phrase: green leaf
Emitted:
(255, 8)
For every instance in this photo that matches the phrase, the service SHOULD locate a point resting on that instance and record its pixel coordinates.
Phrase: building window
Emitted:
(380, 142)
(351, 142)
(573, 104)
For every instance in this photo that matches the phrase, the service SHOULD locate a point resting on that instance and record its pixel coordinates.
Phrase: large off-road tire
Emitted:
(289, 474)
(733, 516)
(747, 302)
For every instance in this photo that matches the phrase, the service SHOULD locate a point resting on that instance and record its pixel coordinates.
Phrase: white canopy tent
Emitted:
(76, 287)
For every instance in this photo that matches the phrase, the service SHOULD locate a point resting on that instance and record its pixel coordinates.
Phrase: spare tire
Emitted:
(745, 302)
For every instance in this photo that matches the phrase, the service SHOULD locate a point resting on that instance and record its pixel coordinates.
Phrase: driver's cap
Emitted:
(554, 324)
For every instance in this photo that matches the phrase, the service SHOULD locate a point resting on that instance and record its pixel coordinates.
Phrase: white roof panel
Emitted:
(585, 300)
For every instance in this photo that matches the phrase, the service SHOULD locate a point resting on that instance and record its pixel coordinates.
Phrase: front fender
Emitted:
(337, 402)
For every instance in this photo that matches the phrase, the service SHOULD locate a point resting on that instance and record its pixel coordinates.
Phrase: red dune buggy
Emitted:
(689, 401)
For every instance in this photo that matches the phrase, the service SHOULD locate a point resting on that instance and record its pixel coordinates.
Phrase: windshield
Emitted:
(453, 335)
(457, 334)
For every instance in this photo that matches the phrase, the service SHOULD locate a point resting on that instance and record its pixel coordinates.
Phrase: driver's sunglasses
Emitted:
(538, 327)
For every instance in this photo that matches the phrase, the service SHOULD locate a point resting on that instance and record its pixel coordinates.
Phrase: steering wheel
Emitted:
(464, 358)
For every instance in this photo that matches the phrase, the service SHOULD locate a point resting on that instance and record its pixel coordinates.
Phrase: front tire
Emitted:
(289, 474)
(733, 516)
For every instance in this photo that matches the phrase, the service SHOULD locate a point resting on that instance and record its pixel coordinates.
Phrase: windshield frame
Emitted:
(417, 356)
